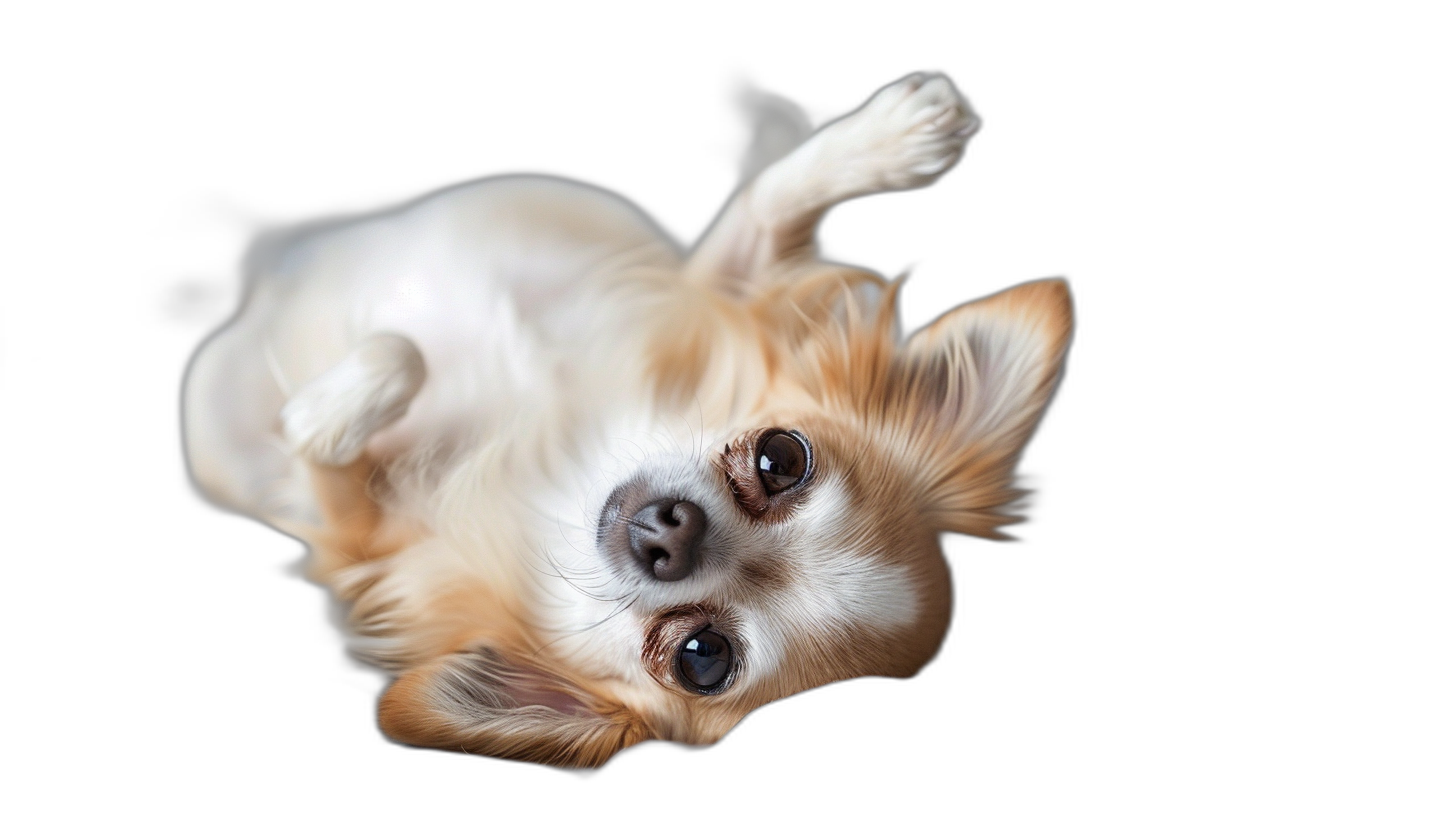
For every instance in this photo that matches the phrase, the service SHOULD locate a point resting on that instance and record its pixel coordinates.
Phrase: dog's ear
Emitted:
(485, 702)
(978, 379)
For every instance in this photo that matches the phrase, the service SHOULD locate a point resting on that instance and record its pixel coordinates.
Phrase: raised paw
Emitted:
(908, 134)
(329, 421)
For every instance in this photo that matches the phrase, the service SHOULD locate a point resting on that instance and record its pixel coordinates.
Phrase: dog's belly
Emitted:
(492, 280)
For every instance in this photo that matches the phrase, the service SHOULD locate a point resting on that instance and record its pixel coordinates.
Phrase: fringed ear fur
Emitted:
(486, 702)
(977, 380)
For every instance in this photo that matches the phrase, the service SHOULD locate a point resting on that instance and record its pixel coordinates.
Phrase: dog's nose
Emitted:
(665, 537)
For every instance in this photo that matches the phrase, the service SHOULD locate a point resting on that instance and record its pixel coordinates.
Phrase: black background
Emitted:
(1062, 669)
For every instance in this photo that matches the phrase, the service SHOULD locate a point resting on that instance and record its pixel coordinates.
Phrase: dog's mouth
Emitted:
(659, 537)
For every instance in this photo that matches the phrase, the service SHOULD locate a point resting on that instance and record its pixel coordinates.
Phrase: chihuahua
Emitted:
(580, 488)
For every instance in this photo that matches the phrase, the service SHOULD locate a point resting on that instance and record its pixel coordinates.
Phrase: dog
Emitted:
(580, 488)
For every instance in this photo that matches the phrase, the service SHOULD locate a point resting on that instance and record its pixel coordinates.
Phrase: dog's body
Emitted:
(582, 488)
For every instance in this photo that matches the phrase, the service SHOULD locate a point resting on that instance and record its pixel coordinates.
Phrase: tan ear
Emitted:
(978, 379)
(484, 702)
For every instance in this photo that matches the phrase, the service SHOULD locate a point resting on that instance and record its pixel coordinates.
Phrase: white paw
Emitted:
(909, 133)
(329, 421)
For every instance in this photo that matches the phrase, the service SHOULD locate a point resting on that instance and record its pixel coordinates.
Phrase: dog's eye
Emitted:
(783, 461)
(703, 662)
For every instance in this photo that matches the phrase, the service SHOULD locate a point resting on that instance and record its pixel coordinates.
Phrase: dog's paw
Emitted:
(329, 421)
(909, 133)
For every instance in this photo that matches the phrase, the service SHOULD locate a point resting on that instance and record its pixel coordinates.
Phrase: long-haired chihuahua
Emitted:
(581, 488)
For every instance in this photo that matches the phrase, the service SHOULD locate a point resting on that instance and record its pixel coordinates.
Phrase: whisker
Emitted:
(623, 607)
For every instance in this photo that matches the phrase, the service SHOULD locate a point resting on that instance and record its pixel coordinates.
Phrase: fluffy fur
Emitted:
(447, 401)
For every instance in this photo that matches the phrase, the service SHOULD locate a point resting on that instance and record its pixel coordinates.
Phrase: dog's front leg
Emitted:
(907, 135)
(328, 424)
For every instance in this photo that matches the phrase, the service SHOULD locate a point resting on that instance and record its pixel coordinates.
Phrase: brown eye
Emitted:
(703, 661)
(783, 461)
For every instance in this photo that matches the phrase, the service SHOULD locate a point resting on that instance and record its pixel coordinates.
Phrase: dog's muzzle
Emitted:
(661, 537)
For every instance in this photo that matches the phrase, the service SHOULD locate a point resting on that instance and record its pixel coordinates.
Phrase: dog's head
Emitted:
(767, 522)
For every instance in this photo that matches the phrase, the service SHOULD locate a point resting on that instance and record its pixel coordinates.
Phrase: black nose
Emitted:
(665, 537)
